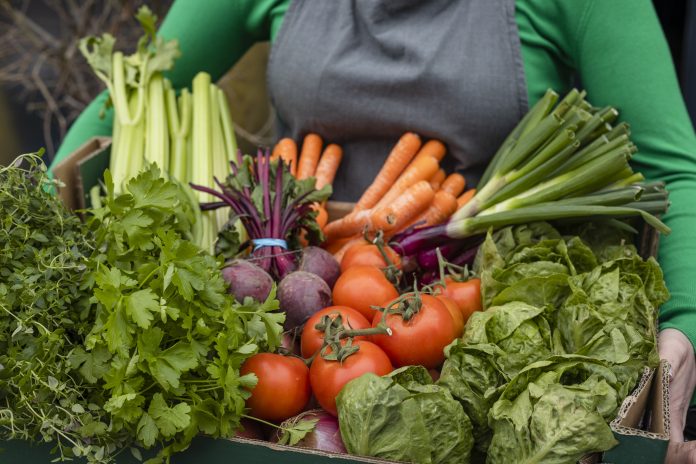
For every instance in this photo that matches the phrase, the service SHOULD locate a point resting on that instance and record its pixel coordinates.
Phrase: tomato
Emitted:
(467, 295)
(457, 318)
(282, 390)
(367, 254)
(312, 339)
(328, 377)
(420, 340)
(361, 287)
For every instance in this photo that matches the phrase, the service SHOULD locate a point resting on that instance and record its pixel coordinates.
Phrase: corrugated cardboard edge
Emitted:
(68, 173)
(311, 452)
(651, 397)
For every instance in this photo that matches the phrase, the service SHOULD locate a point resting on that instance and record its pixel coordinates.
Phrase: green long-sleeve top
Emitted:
(616, 48)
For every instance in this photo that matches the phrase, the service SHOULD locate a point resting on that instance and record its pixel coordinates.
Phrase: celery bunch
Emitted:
(189, 136)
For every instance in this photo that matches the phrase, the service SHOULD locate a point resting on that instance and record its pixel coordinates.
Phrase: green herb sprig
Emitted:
(167, 341)
(44, 309)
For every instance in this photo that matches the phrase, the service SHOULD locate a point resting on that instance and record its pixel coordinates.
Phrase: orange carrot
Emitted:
(437, 179)
(309, 156)
(334, 246)
(349, 225)
(322, 216)
(286, 149)
(402, 153)
(433, 148)
(328, 165)
(454, 184)
(444, 205)
(405, 208)
(465, 197)
(420, 169)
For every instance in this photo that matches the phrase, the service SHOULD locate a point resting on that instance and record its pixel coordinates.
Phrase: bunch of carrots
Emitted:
(312, 162)
(411, 190)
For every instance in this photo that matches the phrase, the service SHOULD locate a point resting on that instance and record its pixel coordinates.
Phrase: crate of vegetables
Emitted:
(553, 312)
(222, 310)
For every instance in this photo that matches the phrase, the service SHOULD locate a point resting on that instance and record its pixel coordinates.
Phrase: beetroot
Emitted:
(247, 279)
(320, 262)
(301, 294)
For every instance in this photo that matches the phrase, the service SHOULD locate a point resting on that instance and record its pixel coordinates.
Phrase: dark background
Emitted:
(22, 129)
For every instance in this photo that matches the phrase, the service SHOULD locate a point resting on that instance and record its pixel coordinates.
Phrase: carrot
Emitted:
(309, 156)
(322, 215)
(444, 205)
(454, 184)
(334, 246)
(402, 153)
(437, 179)
(328, 165)
(349, 225)
(433, 148)
(405, 208)
(286, 149)
(420, 169)
(465, 197)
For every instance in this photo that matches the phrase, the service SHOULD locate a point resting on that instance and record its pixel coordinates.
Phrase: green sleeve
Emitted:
(212, 36)
(622, 58)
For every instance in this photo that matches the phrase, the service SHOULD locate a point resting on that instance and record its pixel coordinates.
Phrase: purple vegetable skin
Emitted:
(247, 279)
(326, 435)
(302, 294)
(320, 262)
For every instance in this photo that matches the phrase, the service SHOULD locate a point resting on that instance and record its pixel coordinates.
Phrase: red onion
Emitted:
(326, 435)
(291, 343)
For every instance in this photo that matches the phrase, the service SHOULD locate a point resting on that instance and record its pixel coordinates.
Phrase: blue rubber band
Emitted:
(269, 242)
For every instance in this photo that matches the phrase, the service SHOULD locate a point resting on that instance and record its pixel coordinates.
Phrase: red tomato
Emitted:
(457, 318)
(367, 254)
(282, 390)
(467, 295)
(312, 339)
(361, 287)
(420, 340)
(328, 377)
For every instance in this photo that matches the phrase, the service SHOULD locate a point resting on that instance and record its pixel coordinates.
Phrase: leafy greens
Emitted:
(403, 416)
(167, 341)
(570, 322)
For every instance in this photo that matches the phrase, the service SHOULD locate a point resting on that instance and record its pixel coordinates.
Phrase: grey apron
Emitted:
(360, 73)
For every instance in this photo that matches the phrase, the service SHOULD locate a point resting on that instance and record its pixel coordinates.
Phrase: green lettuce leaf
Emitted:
(474, 377)
(403, 417)
(520, 330)
(554, 411)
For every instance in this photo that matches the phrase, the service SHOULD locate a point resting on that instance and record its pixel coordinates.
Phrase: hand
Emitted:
(679, 352)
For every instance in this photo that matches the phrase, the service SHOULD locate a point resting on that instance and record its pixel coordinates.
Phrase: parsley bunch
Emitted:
(167, 341)
(44, 309)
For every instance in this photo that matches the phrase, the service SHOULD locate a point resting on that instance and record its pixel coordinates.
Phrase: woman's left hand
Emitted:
(679, 352)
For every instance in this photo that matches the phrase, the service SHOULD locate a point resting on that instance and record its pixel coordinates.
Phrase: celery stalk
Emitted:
(202, 164)
(227, 127)
(219, 154)
(157, 138)
(179, 119)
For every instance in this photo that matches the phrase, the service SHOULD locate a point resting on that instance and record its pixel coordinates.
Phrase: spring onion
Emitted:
(563, 161)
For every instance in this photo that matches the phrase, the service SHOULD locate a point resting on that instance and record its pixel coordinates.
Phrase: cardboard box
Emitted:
(82, 170)
(641, 426)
